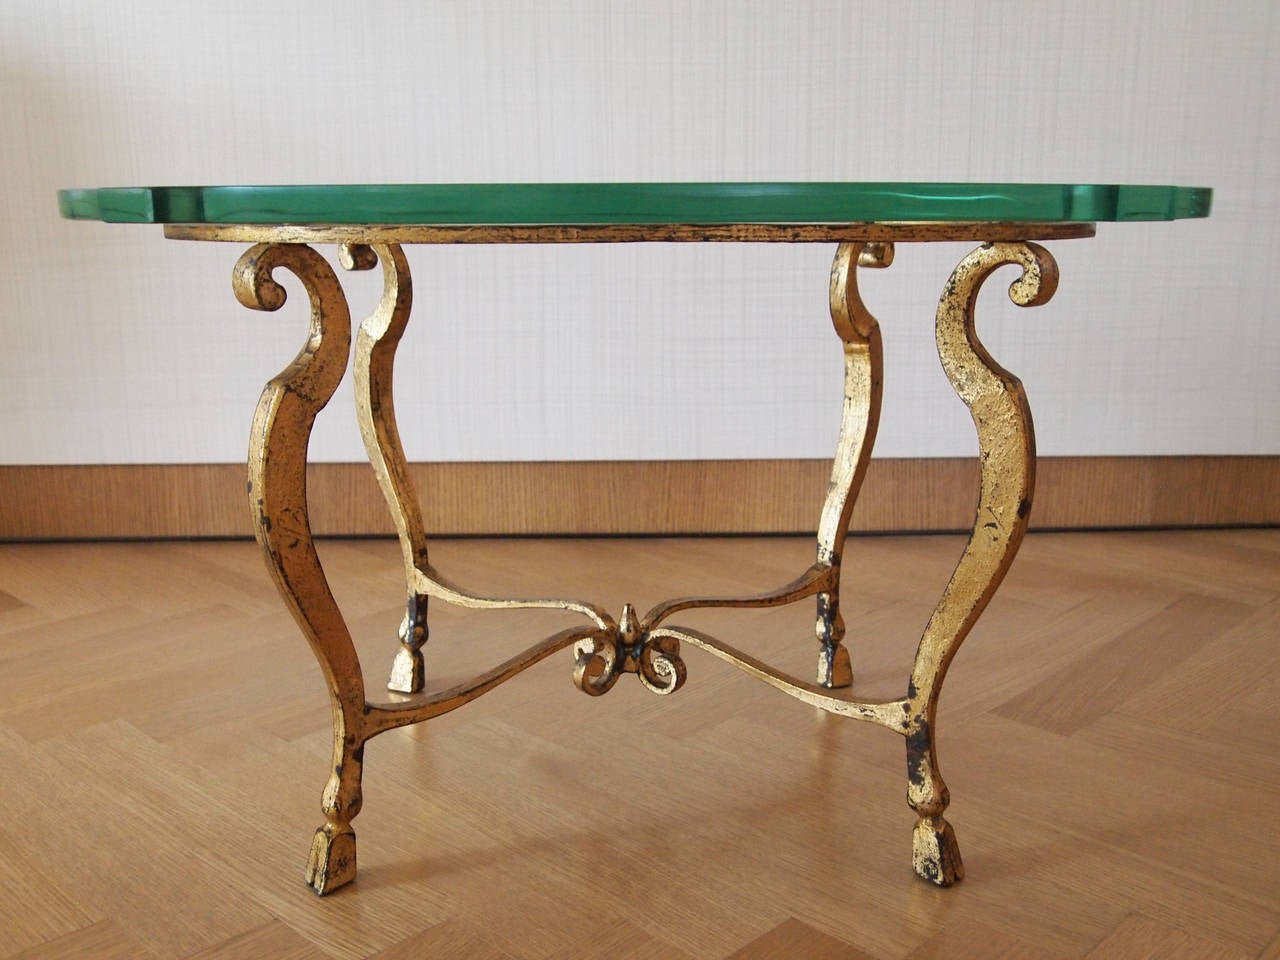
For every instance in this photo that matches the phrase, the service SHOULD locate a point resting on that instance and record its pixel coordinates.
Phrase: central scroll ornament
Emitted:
(629, 648)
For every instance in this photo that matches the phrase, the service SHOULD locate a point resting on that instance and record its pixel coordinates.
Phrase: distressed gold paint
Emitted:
(604, 648)
(856, 233)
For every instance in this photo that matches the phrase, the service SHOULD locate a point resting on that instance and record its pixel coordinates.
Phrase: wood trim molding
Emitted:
(637, 497)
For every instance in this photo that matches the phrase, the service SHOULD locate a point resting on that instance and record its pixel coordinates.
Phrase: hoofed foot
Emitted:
(934, 852)
(332, 863)
(834, 669)
(408, 673)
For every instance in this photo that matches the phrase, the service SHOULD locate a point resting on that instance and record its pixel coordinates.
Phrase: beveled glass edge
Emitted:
(635, 203)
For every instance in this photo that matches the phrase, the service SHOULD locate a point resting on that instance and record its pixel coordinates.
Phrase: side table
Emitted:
(371, 223)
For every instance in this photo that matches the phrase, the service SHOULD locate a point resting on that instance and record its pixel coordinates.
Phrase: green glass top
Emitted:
(636, 203)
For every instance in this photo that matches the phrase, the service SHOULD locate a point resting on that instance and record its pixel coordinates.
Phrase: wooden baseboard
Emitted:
(641, 497)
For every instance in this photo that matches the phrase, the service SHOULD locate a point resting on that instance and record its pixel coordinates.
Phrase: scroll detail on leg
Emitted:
(278, 503)
(863, 376)
(996, 401)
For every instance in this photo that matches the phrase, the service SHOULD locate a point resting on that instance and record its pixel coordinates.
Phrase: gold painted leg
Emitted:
(375, 355)
(375, 351)
(863, 375)
(278, 503)
(1007, 449)
(860, 336)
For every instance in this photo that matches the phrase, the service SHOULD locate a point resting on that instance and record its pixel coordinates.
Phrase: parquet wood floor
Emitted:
(1110, 734)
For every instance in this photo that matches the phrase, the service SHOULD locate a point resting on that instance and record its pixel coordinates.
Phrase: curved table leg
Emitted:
(863, 376)
(375, 354)
(278, 504)
(1007, 448)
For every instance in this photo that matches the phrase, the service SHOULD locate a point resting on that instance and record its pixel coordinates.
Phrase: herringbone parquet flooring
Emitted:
(1110, 734)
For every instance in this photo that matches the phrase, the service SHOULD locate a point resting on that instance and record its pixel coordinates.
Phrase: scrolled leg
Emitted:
(278, 504)
(375, 353)
(863, 375)
(1006, 441)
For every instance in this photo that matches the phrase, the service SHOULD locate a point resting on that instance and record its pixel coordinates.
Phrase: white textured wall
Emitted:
(120, 346)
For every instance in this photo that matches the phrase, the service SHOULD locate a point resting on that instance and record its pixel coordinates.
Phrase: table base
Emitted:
(605, 648)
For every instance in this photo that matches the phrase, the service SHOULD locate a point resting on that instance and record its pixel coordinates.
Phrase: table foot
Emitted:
(935, 856)
(835, 670)
(332, 863)
(408, 671)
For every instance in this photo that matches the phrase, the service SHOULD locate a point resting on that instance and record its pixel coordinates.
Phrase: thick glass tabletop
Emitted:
(517, 204)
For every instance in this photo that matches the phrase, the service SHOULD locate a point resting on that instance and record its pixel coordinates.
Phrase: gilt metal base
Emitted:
(649, 646)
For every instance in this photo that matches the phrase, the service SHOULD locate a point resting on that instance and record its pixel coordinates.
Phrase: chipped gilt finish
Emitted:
(605, 647)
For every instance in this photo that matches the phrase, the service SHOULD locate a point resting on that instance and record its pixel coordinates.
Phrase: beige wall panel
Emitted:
(120, 347)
